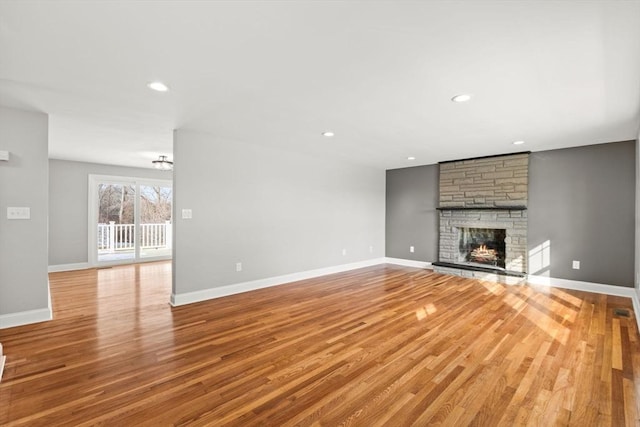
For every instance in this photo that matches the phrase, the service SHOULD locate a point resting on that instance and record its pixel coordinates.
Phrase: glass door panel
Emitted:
(116, 222)
(130, 220)
(155, 221)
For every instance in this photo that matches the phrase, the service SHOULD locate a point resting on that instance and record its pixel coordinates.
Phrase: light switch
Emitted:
(18, 213)
(187, 214)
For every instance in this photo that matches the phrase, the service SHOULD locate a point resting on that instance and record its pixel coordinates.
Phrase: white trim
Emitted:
(236, 288)
(409, 263)
(3, 359)
(636, 308)
(597, 288)
(68, 267)
(30, 316)
(49, 304)
(25, 317)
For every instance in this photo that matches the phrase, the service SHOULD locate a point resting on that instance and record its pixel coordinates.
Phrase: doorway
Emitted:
(130, 220)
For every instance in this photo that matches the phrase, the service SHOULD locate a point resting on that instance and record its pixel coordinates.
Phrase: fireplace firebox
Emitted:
(482, 246)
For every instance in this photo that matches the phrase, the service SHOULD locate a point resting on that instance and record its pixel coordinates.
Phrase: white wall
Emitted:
(276, 212)
(24, 289)
(637, 248)
(68, 203)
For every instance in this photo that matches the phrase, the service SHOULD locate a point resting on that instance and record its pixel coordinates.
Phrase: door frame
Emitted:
(92, 210)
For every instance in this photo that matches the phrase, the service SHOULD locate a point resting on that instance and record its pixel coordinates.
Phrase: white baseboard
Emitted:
(409, 263)
(68, 267)
(636, 308)
(236, 288)
(2, 360)
(30, 316)
(597, 288)
(25, 317)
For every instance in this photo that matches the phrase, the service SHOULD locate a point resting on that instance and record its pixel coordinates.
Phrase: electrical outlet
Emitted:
(18, 213)
(412, 249)
(187, 214)
(576, 265)
(344, 251)
(370, 249)
(238, 266)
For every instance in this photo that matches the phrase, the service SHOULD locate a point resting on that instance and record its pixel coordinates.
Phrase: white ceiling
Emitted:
(378, 74)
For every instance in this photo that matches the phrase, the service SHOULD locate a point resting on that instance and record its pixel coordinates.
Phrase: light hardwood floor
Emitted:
(380, 346)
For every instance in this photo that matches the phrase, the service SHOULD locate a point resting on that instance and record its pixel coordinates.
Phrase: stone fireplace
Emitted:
(483, 218)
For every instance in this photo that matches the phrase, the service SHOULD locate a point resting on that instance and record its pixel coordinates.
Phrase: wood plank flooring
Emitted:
(380, 346)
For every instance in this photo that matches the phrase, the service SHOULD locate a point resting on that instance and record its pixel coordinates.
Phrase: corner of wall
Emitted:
(3, 358)
(637, 220)
(30, 316)
(636, 307)
(24, 181)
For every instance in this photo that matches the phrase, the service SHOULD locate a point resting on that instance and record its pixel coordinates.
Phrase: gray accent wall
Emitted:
(277, 212)
(23, 183)
(582, 202)
(581, 207)
(68, 205)
(411, 215)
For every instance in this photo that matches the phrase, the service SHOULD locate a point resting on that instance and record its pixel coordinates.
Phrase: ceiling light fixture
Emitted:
(461, 98)
(518, 142)
(163, 163)
(411, 158)
(158, 86)
(328, 134)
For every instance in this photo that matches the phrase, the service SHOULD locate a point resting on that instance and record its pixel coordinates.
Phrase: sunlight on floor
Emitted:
(542, 320)
(425, 311)
(493, 287)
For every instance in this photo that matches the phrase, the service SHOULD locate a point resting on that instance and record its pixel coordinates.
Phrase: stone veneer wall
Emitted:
(477, 193)
(485, 182)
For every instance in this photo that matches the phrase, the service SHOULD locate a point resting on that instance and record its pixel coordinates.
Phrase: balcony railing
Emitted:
(114, 237)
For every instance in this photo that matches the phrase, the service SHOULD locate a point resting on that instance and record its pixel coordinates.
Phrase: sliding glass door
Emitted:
(129, 220)
(155, 221)
(116, 222)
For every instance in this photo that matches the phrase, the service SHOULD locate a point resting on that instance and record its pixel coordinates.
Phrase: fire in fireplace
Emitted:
(483, 246)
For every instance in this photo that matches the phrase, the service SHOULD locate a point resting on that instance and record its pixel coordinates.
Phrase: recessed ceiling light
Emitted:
(411, 158)
(328, 134)
(518, 142)
(461, 98)
(158, 86)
